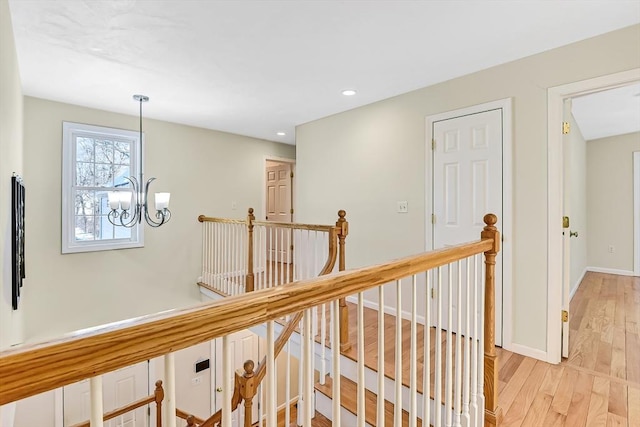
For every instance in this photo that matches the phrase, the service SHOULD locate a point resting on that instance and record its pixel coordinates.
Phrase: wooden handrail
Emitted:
(130, 407)
(34, 369)
(204, 218)
(186, 416)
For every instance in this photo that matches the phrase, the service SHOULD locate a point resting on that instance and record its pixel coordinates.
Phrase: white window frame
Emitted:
(69, 243)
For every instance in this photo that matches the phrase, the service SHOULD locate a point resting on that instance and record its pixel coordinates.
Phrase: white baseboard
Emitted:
(388, 310)
(576, 285)
(529, 352)
(611, 271)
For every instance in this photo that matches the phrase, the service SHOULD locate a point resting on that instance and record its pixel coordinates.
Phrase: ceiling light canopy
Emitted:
(349, 92)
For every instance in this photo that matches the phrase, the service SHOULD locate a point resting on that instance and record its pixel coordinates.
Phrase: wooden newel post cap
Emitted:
(342, 223)
(490, 219)
(250, 211)
(248, 368)
(159, 384)
(200, 218)
(341, 214)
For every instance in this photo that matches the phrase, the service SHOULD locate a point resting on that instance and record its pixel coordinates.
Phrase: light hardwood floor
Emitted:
(599, 383)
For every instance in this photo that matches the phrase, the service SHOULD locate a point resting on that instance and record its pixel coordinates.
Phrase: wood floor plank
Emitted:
(538, 410)
(564, 392)
(632, 350)
(598, 405)
(515, 415)
(512, 390)
(579, 407)
(614, 420)
(633, 399)
(618, 399)
(618, 355)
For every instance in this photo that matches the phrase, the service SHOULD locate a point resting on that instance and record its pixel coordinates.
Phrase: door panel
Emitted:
(467, 184)
(119, 388)
(278, 192)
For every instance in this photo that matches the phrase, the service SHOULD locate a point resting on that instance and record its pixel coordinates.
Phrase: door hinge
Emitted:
(566, 128)
(433, 144)
(291, 174)
(433, 293)
(565, 316)
(565, 222)
(148, 411)
(433, 218)
(292, 210)
(292, 247)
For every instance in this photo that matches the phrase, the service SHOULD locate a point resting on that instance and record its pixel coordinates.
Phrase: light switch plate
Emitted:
(403, 207)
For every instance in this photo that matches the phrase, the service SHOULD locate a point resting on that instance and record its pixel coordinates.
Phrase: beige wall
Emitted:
(610, 201)
(366, 159)
(10, 161)
(576, 177)
(204, 170)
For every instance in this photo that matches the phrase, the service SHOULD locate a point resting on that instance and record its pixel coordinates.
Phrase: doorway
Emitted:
(557, 285)
(278, 194)
(469, 152)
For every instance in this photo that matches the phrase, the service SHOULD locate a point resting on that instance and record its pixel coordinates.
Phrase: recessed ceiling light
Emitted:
(280, 133)
(95, 49)
(348, 92)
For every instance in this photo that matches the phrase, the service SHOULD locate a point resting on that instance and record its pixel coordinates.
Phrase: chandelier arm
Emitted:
(134, 207)
(159, 214)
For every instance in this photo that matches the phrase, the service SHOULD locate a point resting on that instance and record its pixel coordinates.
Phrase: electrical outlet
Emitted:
(612, 249)
(403, 207)
(196, 380)
(234, 205)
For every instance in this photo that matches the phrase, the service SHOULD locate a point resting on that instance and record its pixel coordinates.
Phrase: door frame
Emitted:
(506, 105)
(263, 205)
(555, 98)
(636, 213)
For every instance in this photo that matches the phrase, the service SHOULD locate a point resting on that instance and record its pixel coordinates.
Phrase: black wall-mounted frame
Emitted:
(17, 241)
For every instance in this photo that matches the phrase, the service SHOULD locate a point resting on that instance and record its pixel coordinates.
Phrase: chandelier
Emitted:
(129, 207)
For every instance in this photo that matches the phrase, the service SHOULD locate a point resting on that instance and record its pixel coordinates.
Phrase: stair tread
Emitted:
(348, 400)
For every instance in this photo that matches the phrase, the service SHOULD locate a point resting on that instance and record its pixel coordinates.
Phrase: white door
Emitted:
(244, 346)
(119, 388)
(566, 231)
(467, 184)
(278, 191)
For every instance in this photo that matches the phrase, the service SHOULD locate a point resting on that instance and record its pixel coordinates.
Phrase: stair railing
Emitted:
(156, 397)
(33, 369)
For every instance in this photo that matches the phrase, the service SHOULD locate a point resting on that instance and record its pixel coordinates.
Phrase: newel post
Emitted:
(159, 397)
(343, 230)
(248, 390)
(250, 277)
(492, 414)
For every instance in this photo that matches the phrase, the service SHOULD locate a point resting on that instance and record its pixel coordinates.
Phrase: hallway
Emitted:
(599, 383)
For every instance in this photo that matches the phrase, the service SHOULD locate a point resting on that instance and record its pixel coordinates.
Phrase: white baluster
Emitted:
(426, 387)
(413, 359)
(467, 344)
(360, 344)
(287, 386)
(481, 297)
(438, 342)
(272, 412)
(308, 372)
(227, 383)
(457, 401)
(335, 366)
(380, 418)
(398, 374)
(474, 346)
(448, 386)
(170, 389)
(95, 397)
(323, 343)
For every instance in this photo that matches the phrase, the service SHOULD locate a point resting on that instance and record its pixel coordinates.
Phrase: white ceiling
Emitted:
(259, 67)
(608, 113)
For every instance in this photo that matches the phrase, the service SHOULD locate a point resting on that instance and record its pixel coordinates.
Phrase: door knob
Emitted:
(219, 389)
(573, 234)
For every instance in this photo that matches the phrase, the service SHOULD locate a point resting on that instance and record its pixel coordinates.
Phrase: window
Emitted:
(95, 161)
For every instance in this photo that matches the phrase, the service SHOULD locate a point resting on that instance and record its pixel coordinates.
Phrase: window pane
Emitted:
(84, 228)
(84, 149)
(84, 203)
(122, 152)
(109, 231)
(119, 174)
(84, 174)
(101, 203)
(104, 151)
(104, 175)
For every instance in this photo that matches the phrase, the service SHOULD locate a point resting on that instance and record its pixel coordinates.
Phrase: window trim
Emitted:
(69, 243)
